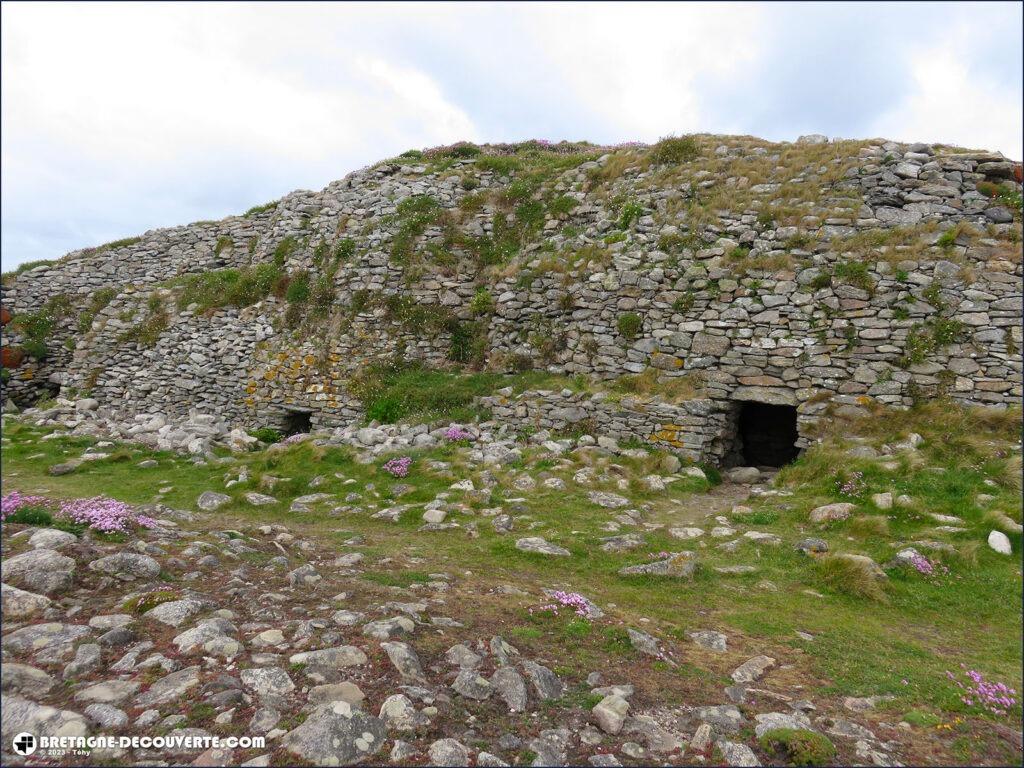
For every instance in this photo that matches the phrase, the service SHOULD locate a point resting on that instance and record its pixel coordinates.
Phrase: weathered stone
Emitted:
(40, 570)
(336, 735)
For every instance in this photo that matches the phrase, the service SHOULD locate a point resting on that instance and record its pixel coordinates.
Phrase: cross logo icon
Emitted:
(24, 744)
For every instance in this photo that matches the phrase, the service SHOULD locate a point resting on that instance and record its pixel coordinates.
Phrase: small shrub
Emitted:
(501, 165)
(630, 324)
(298, 289)
(850, 577)
(223, 242)
(284, 249)
(673, 150)
(345, 249)
(684, 303)
(799, 747)
(921, 718)
(630, 212)
(461, 149)
(482, 303)
(987, 188)
(562, 205)
(99, 301)
(855, 273)
(31, 515)
(947, 239)
(266, 435)
(257, 209)
(147, 331)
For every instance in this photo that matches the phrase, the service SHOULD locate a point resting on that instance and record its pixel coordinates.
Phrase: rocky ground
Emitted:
(561, 600)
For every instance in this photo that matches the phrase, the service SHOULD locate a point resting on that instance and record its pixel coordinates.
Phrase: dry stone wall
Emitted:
(791, 274)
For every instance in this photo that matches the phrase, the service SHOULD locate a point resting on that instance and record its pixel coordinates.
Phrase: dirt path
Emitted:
(695, 508)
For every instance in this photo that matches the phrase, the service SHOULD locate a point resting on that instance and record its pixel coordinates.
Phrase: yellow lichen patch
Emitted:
(668, 434)
(662, 360)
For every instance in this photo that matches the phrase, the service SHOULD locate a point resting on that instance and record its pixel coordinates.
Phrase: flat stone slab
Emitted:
(541, 547)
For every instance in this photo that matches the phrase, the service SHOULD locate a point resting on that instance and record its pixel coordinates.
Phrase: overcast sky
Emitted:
(121, 118)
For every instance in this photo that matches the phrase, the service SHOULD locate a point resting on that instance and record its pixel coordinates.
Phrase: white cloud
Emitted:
(952, 104)
(637, 64)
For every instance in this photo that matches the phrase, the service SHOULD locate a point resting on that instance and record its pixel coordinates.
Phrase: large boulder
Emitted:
(20, 715)
(831, 512)
(127, 566)
(19, 604)
(540, 546)
(54, 638)
(41, 570)
(336, 734)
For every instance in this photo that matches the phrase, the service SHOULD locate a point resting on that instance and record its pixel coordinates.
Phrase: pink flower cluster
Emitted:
(13, 501)
(99, 513)
(456, 433)
(104, 514)
(926, 567)
(922, 564)
(997, 698)
(573, 600)
(398, 467)
(852, 486)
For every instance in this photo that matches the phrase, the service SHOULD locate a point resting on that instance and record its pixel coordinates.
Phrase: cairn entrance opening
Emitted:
(295, 422)
(767, 434)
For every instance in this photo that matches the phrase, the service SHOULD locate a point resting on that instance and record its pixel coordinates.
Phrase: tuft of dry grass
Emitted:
(850, 577)
(1012, 473)
(869, 525)
(651, 383)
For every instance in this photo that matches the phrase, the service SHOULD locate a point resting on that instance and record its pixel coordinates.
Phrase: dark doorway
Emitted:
(297, 422)
(768, 434)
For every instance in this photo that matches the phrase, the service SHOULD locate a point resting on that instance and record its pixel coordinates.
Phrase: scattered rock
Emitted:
(540, 546)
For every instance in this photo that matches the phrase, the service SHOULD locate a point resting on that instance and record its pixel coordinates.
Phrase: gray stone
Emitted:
(470, 684)
(169, 688)
(752, 669)
(54, 638)
(337, 658)
(19, 604)
(738, 755)
(127, 566)
(40, 570)
(610, 713)
(709, 640)
(211, 501)
(336, 735)
(540, 546)
(20, 715)
(51, 538)
(405, 660)
(511, 687)
(832, 512)
(545, 682)
(106, 716)
(174, 613)
(678, 566)
(448, 752)
(21, 678)
(267, 681)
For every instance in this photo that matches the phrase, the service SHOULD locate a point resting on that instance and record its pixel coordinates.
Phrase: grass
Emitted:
(392, 393)
(228, 287)
(652, 383)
